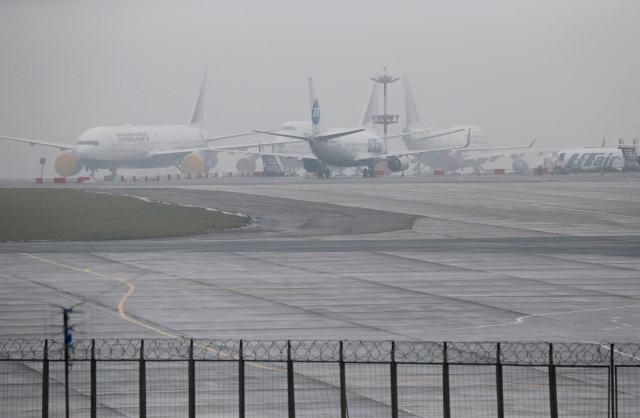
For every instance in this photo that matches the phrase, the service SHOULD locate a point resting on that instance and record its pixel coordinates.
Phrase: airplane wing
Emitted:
(404, 154)
(411, 153)
(428, 135)
(298, 137)
(256, 144)
(62, 147)
(226, 148)
(500, 148)
(177, 152)
(218, 138)
(276, 154)
(329, 135)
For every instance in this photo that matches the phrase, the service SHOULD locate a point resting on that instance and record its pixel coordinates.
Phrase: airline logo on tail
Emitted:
(315, 112)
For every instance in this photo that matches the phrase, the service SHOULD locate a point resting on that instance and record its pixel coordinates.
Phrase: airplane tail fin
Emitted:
(198, 111)
(413, 120)
(317, 125)
(370, 107)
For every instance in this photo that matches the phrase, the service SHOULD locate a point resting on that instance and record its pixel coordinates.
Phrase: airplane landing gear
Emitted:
(323, 173)
(368, 172)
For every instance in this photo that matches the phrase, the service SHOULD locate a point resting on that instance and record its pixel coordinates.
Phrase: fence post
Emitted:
(394, 381)
(45, 380)
(553, 392)
(499, 384)
(343, 384)
(446, 407)
(290, 383)
(142, 382)
(613, 385)
(240, 381)
(94, 400)
(192, 382)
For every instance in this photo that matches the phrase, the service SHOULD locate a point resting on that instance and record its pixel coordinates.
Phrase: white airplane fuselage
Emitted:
(337, 152)
(589, 159)
(349, 150)
(114, 147)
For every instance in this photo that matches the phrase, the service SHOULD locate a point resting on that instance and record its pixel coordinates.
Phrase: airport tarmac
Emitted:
(414, 258)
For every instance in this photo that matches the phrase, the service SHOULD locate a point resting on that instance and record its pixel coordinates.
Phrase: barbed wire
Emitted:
(352, 351)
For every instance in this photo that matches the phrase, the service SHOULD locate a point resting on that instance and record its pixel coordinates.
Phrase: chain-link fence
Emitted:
(231, 378)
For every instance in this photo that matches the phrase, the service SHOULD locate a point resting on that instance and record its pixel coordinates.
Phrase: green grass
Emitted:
(73, 215)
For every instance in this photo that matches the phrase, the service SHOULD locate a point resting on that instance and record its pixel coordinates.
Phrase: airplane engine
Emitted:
(246, 165)
(67, 164)
(398, 163)
(199, 162)
(312, 166)
(519, 165)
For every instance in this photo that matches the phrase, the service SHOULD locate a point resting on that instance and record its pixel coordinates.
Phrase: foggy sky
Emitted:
(565, 71)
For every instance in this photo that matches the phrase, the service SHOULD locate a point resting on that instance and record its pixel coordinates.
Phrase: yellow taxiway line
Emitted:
(121, 302)
(122, 313)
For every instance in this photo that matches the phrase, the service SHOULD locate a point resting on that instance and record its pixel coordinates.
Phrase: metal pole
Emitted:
(142, 382)
(65, 323)
(290, 383)
(553, 392)
(446, 407)
(499, 384)
(384, 78)
(240, 381)
(192, 383)
(613, 386)
(94, 397)
(45, 380)
(385, 108)
(394, 381)
(343, 385)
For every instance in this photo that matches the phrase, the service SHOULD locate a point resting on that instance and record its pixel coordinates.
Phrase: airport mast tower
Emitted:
(384, 78)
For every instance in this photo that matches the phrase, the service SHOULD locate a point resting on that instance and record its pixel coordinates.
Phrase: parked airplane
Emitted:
(474, 157)
(357, 147)
(591, 158)
(148, 146)
(303, 128)
(587, 159)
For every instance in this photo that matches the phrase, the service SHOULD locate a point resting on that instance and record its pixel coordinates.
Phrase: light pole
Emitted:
(68, 340)
(43, 161)
(384, 78)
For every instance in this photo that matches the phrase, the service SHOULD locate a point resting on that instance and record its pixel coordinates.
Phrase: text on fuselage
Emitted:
(132, 137)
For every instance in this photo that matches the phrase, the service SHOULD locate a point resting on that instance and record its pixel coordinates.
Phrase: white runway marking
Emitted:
(521, 319)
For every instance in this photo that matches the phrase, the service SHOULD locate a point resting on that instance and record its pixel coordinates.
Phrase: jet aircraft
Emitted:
(455, 160)
(356, 147)
(140, 146)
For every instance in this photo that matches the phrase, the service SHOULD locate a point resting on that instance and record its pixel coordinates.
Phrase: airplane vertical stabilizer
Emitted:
(317, 124)
(413, 120)
(198, 111)
(370, 107)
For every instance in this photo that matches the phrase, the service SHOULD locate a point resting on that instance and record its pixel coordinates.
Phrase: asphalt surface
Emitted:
(455, 258)
(452, 258)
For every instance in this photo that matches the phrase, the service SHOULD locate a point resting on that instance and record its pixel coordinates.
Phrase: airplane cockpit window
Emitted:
(561, 157)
